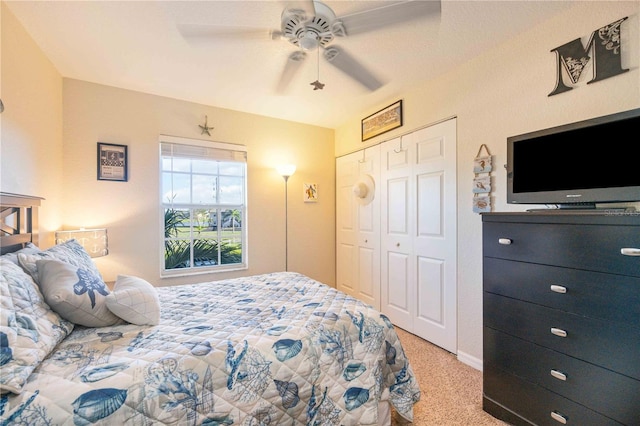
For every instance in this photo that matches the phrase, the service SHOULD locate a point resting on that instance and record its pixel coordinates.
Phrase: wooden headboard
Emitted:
(18, 221)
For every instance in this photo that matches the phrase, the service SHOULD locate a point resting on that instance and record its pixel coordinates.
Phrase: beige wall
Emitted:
(50, 129)
(500, 94)
(130, 210)
(31, 129)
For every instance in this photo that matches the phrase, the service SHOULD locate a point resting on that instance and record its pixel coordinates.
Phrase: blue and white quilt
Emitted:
(273, 349)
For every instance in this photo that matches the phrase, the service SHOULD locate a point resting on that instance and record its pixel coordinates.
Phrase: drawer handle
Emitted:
(558, 417)
(558, 332)
(630, 251)
(558, 289)
(504, 241)
(559, 375)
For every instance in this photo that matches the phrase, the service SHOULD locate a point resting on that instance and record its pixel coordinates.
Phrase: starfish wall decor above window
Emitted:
(205, 129)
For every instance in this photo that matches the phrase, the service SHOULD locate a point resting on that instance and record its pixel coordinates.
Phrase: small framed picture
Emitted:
(112, 162)
(310, 192)
(482, 204)
(482, 164)
(482, 184)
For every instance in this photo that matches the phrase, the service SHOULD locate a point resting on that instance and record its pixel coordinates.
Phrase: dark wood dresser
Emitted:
(561, 310)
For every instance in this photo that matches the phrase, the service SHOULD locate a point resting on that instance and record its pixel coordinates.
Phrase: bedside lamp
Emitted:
(94, 241)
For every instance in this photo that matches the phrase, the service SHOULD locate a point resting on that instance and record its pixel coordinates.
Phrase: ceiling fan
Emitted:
(312, 25)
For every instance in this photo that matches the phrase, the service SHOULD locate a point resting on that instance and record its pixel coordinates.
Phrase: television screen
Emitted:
(588, 162)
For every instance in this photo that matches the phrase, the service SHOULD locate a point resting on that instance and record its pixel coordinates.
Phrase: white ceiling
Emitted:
(136, 45)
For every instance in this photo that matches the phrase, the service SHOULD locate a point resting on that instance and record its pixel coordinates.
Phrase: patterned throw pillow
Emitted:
(29, 329)
(75, 293)
(135, 301)
(70, 252)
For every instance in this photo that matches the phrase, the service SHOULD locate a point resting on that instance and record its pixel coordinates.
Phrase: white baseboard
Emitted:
(470, 360)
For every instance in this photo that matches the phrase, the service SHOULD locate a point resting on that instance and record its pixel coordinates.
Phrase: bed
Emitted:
(272, 349)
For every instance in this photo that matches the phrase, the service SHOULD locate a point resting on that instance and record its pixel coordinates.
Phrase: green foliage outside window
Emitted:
(206, 245)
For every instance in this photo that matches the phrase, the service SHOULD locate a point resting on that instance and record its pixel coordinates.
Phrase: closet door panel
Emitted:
(397, 214)
(358, 227)
(346, 223)
(398, 264)
(435, 243)
(367, 216)
(429, 214)
(368, 273)
(344, 268)
(398, 306)
(430, 290)
(368, 236)
(396, 249)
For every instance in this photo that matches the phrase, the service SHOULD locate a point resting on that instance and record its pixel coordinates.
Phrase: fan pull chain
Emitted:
(316, 84)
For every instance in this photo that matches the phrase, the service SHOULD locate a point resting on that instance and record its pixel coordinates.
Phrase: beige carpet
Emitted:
(451, 392)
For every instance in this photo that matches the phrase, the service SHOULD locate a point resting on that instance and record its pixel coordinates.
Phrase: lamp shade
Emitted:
(94, 241)
(286, 170)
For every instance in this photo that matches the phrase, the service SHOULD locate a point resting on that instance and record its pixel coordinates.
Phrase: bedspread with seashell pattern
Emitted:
(273, 349)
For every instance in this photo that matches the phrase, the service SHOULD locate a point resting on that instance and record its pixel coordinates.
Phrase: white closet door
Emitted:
(346, 226)
(418, 233)
(358, 227)
(435, 234)
(397, 260)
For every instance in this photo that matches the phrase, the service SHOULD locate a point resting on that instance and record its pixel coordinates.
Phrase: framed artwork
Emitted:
(112, 162)
(382, 121)
(310, 192)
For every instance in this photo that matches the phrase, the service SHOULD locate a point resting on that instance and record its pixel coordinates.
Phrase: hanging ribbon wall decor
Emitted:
(482, 168)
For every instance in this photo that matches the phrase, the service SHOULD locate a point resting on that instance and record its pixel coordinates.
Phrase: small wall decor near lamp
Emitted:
(286, 171)
(94, 241)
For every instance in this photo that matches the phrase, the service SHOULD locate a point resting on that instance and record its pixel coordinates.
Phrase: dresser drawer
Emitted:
(576, 380)
(593, 294)
(588, 247)
(612, 345)
(532, 403)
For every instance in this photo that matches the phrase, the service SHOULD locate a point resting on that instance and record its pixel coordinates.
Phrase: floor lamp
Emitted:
(286, 170)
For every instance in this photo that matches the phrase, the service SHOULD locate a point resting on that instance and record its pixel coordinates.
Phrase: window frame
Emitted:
(199, 270)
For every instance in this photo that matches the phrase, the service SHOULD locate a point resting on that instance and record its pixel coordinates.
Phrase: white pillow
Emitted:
(134, 300)
(75, 293)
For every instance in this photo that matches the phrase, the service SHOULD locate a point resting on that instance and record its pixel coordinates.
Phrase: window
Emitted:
(204, 205)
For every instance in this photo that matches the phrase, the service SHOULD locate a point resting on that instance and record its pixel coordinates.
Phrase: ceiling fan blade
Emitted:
(292, 66)
(337, 57)
(218, 32)
(307, 6)
(370, 20)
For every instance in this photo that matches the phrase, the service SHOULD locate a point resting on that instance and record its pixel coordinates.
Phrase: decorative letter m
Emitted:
(605, 47)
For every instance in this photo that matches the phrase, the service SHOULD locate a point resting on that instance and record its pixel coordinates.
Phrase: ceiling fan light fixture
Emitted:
(308, 41)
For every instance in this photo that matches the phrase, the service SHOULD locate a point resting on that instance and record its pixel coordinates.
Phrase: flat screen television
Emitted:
(577, 165)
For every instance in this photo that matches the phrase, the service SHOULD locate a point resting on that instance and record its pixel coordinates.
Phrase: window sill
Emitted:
(180, 273)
